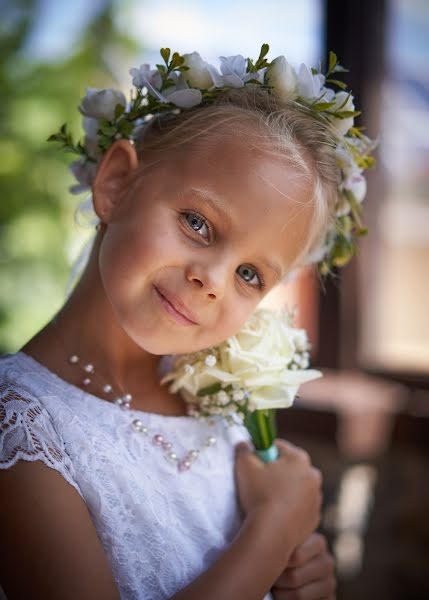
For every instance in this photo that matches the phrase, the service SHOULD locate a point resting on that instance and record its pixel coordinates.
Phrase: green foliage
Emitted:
(36, 211)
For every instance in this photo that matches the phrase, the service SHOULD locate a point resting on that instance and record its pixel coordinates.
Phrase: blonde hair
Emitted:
(285, 129)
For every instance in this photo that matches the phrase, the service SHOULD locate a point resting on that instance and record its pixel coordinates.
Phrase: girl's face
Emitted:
(194, 246)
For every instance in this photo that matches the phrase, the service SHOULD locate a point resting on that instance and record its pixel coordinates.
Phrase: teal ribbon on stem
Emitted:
(262, 427)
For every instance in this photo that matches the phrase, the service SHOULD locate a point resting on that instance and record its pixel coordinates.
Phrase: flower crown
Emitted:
(184, 82)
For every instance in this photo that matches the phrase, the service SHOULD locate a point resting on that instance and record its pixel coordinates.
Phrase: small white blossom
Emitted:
(210, 360)
(238, 395)
(189, 369)
(222, 397)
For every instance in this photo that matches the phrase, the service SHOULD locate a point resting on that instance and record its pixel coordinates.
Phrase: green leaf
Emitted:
(108, 130)
(340, 84)
(264, 51)
(333, 61)
(362, 231)
(177, 60)
(320, 106)
(119, 109)
(346, 114)
(125, 127)
(165, 53)
(209, 390)
(314, 71)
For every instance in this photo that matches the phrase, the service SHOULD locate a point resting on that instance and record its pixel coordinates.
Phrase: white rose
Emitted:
(101, 104)
(256, 360)
(281, 393)
(283, 78)
(345, 101)
(198, 75)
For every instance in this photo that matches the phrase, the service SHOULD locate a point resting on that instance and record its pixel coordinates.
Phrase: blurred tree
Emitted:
(36, 211)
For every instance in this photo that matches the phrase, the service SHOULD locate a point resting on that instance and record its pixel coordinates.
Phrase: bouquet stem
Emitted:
(261, 425)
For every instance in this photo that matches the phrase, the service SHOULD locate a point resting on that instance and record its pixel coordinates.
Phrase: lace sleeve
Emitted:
(28, 433)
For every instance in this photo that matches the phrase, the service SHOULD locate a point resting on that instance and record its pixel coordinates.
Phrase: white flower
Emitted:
(101, 104)
(198, 75)
(144, 76)
(310, 86)
(257, 358)
(180, 94)
(210, 360)
(356, 184)
(91, 127)
(186, 98)
(283, 78)
(222, 397)
(84, 171)
(345, 101)
(233, 72)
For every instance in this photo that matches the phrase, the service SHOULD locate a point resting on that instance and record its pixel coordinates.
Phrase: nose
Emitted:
(210, 281)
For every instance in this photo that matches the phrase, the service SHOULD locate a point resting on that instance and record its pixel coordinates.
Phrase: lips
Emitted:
(175, 306)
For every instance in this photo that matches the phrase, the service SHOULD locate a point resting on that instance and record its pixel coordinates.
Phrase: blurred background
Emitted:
(366, 423)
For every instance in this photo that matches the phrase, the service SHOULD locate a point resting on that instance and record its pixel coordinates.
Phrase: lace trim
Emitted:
(27, 433)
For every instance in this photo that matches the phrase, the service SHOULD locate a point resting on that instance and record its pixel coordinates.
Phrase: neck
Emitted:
(87, 326)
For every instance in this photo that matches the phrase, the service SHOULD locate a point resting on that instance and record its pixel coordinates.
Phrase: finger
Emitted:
(286, 448)
(316, 570)
(244, 454)
(323, 590)
(315, 544)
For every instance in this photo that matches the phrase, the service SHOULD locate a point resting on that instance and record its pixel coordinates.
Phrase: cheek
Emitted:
(230, 321)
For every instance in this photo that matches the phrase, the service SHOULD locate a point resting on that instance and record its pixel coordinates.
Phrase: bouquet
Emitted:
(247, 377)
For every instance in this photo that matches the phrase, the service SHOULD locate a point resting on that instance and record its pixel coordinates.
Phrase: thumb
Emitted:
(242, 448)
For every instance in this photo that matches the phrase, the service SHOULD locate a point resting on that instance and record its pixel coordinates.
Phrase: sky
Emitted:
(212, 28)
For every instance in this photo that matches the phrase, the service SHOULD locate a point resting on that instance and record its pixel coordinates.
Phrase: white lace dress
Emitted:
(160, 528)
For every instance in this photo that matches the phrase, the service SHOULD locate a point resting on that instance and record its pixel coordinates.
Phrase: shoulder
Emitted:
(27, 430)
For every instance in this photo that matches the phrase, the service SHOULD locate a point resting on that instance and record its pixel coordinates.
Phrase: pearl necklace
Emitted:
(124, 402)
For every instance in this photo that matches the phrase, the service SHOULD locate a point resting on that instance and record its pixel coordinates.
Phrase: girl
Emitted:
(201, 212)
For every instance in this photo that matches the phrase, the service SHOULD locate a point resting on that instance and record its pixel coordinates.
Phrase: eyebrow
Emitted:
(218, 205)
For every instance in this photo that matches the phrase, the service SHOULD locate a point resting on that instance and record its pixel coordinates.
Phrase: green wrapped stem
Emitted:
(261, 425)
(268, 455)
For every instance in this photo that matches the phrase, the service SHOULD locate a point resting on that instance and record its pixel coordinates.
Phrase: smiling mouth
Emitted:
(171, 309)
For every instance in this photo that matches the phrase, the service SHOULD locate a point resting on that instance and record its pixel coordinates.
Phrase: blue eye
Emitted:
(197, 223)
(249, 274)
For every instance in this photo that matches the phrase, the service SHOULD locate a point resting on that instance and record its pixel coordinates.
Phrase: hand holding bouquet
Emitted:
(247, 377)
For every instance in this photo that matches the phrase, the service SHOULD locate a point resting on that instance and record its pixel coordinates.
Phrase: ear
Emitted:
(111, 178)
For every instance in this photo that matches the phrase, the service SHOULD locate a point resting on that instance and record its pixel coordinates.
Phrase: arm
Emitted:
(247, 569)
(49, 548)
(281, 502)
